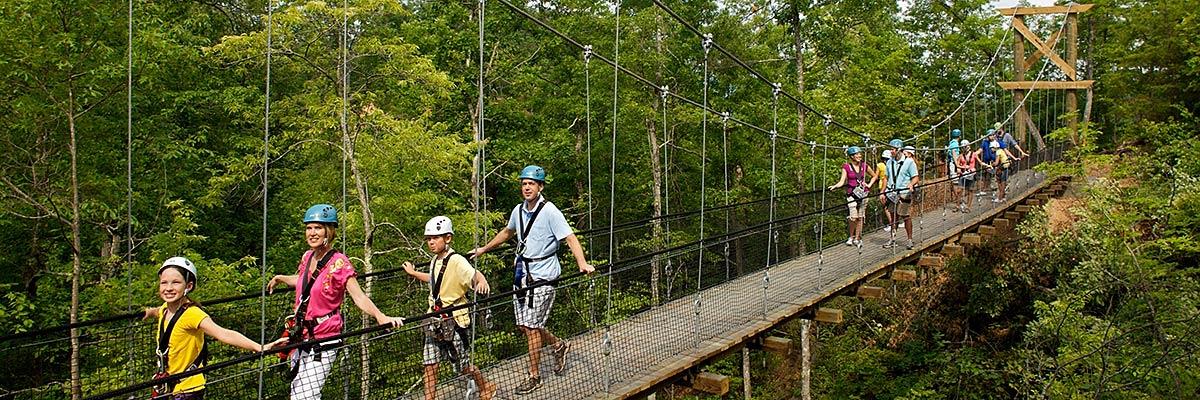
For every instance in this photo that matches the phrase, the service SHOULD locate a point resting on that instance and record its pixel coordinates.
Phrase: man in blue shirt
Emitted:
(952, 151)
(538, 226)
(902, 178)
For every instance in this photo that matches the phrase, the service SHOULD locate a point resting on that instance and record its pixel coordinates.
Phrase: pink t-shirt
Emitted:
(327, 293)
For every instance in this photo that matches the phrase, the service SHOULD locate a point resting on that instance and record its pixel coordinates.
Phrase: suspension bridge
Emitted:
(751, 267)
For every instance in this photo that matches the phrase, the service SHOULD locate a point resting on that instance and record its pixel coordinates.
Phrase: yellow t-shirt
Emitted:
(455, 285)
(1002, 157)
(185, 344)
(881, 169)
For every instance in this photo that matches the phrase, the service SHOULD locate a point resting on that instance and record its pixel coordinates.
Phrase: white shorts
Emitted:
(533, 312)
(858, 209)
(312, 374)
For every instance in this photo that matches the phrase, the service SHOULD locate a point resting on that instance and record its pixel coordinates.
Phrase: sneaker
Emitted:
(858, 242)
(560, 356)
(889, 244)
(531, 383)
(887, 228)
(849, 241)
(981, 193)
(910, 244)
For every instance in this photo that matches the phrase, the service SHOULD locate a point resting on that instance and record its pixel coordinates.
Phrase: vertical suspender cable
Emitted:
(262, 303)
(479, 152)
(612, 192)
(587, 85)
(703, 194)
(129, 175)
(345, 84)
(766, 279)
(821, 212)
(725, 164)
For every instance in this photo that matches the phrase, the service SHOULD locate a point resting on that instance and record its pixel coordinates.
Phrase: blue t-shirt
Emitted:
(952, 150)
(901, 174)
(988, 154)
(548, 229)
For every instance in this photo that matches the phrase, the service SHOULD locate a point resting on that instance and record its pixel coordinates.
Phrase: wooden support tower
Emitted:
(1021, 87)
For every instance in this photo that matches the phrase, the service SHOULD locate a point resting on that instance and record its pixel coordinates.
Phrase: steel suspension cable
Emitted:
(612, 193)
(766, 279)
(262, 330)
(129, 176)
(706, 43)
(725, 165)
(587, 84)
(664, 93)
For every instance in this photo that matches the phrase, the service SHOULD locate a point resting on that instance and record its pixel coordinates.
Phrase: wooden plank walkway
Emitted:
(662, 342)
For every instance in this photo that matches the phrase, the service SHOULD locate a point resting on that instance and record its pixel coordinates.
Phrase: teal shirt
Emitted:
(901, 174)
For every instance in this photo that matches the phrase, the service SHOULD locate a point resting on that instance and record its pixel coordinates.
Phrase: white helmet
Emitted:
(994, 144)
(439, 225)
(183, 262)
(964, 143)
(887, 154)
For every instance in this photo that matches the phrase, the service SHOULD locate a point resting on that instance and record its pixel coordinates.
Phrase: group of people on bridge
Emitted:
(325, 276)
(898, 178)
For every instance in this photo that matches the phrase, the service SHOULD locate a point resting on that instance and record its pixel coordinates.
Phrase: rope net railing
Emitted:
(703, 295)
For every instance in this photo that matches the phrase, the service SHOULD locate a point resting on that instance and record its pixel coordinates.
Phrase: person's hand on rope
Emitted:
(150, 312)
(478, 251)
(278, 342)
(395, 322)
(483, 288)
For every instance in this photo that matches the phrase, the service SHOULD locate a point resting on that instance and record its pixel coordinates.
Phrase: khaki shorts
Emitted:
(903, 206)
(858, 209)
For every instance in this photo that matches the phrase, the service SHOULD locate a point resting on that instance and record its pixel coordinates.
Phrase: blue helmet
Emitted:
(896, 143)
(853, 150)
(955, 133)
(322, 213)
(991, 132)
(533, 172)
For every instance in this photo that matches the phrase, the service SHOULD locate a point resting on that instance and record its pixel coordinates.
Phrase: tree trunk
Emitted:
(805, 360)
(76, 263)
(656, 228)
(746, 392)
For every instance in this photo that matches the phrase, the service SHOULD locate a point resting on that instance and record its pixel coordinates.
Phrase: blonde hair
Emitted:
(330, 233)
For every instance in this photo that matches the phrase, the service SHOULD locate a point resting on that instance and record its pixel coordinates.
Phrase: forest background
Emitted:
(408, 146)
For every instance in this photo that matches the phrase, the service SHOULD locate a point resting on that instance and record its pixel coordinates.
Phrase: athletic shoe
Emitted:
(849, 241)
(981, 193)
(858, 242)
(560, 356)
(910, 244)
(532, 383)
(887, 228)
(1004, 200)
(996, 200)
(889, 244)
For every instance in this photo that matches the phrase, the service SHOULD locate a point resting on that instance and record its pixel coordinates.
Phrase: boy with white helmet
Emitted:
(538, 227)
(447, 337)
(180, 344)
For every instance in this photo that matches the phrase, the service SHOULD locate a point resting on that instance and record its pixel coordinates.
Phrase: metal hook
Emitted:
(665, 91)
(707, 42)
(725, 116)
(775, 89)
(587, 52)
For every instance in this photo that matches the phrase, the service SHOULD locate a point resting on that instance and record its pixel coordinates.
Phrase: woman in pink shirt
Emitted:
(323, 278)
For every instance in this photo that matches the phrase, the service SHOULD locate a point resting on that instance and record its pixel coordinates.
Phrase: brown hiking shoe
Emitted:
(560, 356)
(530, 384)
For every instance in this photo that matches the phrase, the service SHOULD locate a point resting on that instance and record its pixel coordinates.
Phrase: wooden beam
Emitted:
(950, 250)
(1033, 202)
(1019, 25)
(971, 238)
(904, 275)
(987, 230)
(931, 260)
(1024, 209)
(1012, 216)
(711, 383)
(828, 315)
(777, 345)
(1002, 223)
(1037, 53)
(1055, 85)
(1078, 8)
(870, 292)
